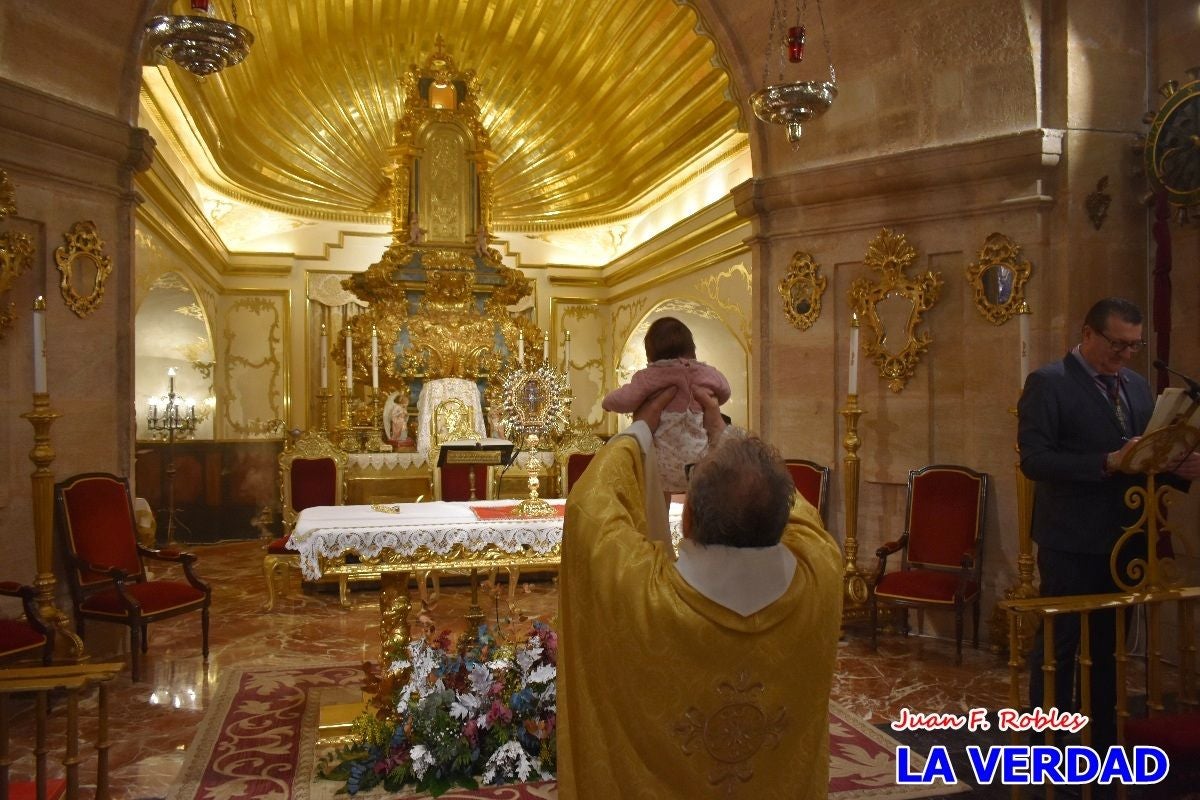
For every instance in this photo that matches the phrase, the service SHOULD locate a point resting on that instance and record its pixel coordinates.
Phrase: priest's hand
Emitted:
(650, 411)
(714, 424)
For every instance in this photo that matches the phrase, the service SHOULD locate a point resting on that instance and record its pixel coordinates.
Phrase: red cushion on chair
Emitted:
(16, 636)
(924, 585)
(152, 596)
(808, 483)
(279, 547)
(27, 790)
(314, 483)
(576, 464)
(944, 502)
(100, 524)
(456, 482)
(1177, 734)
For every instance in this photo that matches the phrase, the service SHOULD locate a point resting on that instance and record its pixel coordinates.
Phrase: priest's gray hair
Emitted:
(740, 494)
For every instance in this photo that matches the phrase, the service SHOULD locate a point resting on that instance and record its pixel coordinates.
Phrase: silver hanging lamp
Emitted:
(794, 103)
(199, 42)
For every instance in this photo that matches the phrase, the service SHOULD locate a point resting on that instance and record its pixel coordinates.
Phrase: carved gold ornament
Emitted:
(998, 279)
(801, 290)
(82, 261)
(16, 252)
(536, 399)
(891, 307)
(733, 733)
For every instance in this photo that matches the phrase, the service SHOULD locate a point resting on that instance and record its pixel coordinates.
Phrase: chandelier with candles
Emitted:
(200, 42)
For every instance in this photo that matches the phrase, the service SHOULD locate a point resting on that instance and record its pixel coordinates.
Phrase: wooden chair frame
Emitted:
(311, 446)
(33, 620)
(89, 580)
(820, 502)
(967, 570)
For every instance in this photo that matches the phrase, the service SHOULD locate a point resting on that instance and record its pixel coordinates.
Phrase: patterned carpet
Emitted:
(257, 742)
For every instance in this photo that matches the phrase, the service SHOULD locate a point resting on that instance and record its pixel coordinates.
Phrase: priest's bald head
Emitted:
(739, 495)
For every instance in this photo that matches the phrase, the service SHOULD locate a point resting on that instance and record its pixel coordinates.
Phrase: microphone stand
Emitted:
(1193, 388)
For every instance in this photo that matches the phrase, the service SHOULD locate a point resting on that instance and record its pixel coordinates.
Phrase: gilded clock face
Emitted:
(1172, 152)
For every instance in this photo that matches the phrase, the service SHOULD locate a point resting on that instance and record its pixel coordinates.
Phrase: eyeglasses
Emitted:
(1119, 346)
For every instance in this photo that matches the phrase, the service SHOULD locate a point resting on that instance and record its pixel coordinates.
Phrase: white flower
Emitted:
(464, 705)
(481, 678)
(530, 655)
(543, 674)
(422, 760)
(509, 761)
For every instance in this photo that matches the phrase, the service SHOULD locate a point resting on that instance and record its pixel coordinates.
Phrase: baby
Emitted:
(680, 437)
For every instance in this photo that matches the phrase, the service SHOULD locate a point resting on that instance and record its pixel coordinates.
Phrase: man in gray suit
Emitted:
(1078, 417)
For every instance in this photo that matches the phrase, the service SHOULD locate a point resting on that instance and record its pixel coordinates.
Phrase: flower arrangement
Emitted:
(477, 711)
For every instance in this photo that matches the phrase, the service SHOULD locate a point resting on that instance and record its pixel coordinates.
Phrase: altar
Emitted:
(398, 540)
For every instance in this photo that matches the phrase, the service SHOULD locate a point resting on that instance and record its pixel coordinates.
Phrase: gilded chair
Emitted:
(311, 473)
(452, 421)
(941, 548)
(812, 482)
(106, 564)
(21, 638)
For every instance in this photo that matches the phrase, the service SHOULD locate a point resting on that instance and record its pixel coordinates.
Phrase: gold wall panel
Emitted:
(253, 361)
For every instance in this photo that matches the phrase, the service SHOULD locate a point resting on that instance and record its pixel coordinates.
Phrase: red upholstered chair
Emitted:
(572, 469)
(453, 483)
(942, 548)
(20, 638)
(311, 473)
(105, 564)
(812, 482)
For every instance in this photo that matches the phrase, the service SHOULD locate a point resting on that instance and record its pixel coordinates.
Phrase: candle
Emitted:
(1023, 325)
(153, 413)
(349, 360)
(171, 382)
(192, 414)
(521, 347)
(324, 358)
(374, 358)
(546, 346)
(853, 371)
(39, 345)
(567, 353)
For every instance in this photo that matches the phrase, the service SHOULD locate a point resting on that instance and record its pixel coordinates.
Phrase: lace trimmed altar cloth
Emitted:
(440, 527)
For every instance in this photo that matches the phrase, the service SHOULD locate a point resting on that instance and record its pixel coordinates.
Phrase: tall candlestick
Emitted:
(521, 347)
(39, 345)
(374, 358)
(546, 346)
(567, 353)
(853, 370)
(349, 360)
(171, 381)
(324, 358)
(1023, 326)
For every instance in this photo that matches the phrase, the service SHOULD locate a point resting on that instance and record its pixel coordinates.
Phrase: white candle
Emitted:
(521, 347)
(39, 345)
(546, 346)
(171, 381)
(324, 358)
(1023, 326)
(567, 353)
(374, 358)
(853, 371)
(349, 360)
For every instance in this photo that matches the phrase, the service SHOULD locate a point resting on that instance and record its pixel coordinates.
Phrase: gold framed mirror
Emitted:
(891, 307)
(998, 279)
(801, 290)
(16, 253)
(84, 267)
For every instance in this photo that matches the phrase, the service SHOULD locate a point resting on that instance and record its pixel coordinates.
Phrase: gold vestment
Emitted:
(662, 692)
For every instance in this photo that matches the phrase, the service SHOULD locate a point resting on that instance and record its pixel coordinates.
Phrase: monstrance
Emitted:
(535, 406)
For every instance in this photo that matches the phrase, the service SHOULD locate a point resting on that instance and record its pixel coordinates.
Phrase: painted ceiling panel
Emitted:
(592, 105)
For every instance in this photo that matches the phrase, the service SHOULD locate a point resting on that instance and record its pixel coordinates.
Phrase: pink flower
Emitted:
(499, 712)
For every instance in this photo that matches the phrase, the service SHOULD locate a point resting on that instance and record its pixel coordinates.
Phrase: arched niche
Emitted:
(716, 345)
(172, 329)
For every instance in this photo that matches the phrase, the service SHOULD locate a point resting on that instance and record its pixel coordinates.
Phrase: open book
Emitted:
(1158, 449)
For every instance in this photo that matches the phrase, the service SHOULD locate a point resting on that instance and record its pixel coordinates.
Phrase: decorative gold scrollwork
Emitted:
(998, 279)
(801, 290)
(903, 299)
(82, 254)
(16, 252)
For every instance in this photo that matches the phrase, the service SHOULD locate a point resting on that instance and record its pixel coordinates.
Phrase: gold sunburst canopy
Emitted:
(592, 105)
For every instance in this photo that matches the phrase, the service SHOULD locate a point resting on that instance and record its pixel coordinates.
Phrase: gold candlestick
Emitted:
(323, 398)
(347, 437)
(854, 601)
(68, 646)
(374, 442)
(1025, 588)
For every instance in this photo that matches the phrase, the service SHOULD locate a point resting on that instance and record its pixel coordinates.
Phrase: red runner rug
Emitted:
(257, 742)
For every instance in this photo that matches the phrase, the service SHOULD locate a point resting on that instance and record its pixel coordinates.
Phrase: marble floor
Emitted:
(153, 722)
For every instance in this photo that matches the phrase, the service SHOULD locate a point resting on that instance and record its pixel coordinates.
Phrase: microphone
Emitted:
(1193, 389)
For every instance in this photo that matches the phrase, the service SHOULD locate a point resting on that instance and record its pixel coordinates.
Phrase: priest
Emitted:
(708, 675)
